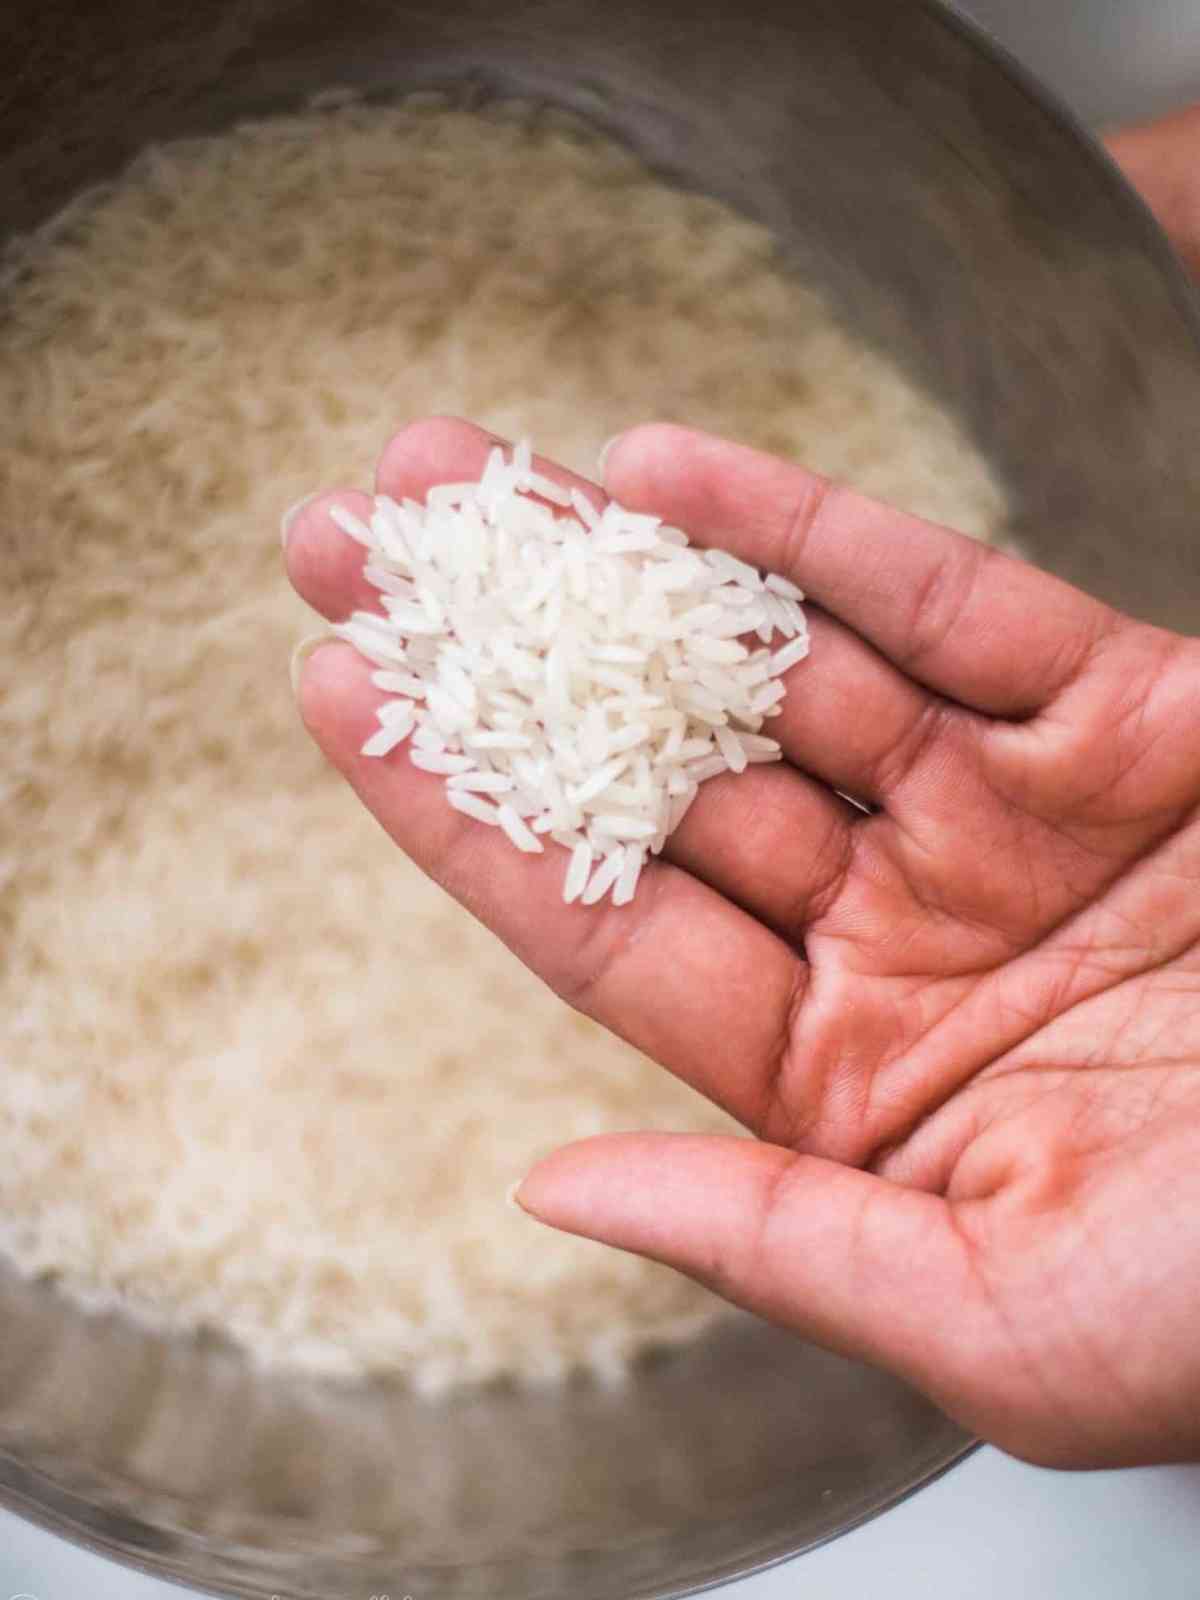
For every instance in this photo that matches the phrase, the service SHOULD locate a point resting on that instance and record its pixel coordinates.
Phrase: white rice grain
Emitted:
(518, 833)
(472, 806)
(577, 872)
(627, 879)
(563, 683)
(603, 878)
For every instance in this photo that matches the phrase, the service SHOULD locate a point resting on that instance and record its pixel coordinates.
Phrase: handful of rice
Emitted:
(573, 675)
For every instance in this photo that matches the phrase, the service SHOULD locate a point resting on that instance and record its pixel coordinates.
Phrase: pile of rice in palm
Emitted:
(573, 674)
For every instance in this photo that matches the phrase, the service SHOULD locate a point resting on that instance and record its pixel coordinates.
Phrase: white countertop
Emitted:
(991, 1527)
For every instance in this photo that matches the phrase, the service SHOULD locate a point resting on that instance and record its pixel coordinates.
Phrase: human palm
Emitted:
(964, 1022)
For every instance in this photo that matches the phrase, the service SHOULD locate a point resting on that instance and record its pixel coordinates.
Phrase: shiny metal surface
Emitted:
(715, 1461)
(969, 227)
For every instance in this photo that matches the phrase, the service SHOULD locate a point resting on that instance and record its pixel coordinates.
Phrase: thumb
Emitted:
(855, 1263)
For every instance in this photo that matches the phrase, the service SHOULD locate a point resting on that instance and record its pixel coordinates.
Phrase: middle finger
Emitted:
(861, 726)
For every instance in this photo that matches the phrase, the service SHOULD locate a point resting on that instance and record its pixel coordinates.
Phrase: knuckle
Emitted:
(812, 503)
(779, 1119)
(940, 599)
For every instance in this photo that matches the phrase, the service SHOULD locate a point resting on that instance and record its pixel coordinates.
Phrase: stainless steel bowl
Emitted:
(963, 221)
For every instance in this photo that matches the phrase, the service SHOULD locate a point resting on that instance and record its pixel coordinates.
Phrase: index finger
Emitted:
(967, 621)
(681, 972)
(326, 566)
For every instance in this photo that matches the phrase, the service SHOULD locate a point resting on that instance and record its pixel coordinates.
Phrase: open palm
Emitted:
(964, 1023)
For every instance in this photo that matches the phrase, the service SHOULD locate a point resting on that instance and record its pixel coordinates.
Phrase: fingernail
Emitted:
(289, 517)
(602, 458)
(510, 1198)
(308, 646)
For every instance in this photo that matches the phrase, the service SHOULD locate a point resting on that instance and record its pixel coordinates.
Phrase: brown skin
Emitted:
(1162, 159)
(965, 1027)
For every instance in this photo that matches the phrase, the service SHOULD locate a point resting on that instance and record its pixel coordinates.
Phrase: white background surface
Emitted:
(990, 1528)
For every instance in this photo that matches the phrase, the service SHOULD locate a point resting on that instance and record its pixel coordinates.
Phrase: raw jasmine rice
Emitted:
(574, 675)
(260, 1075)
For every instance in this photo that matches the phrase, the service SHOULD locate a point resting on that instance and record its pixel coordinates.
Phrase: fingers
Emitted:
(853, 720)
(966, 621)
(445, 450)
(850, 718)
(433, 450)
(772, 841)
(681, 973)
(857, 1264)
(324, 564)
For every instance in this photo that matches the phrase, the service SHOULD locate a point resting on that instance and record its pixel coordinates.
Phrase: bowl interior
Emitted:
(712, 1461)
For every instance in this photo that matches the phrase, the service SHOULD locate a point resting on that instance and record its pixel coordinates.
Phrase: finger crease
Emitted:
(775, 1187)
(909, 749)
(778, 1117)
(814, 503)
(609, 938)
(818, 900)
(940, 600)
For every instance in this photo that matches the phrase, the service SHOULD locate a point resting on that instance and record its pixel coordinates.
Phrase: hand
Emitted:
(1162, 159)
(965, 1027)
